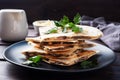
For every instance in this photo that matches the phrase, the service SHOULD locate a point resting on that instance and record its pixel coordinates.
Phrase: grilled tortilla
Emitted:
(81, 56)
(36, 51)
(53, 48)
(54, 42)
(66, 48)
(89, 33)
(76, 57)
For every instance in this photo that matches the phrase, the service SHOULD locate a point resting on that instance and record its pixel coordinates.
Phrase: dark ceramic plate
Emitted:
(13, 55)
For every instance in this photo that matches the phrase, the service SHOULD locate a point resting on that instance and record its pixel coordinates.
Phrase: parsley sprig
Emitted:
(89, 63)
(66, 24)
(53, 30)
(33, 61)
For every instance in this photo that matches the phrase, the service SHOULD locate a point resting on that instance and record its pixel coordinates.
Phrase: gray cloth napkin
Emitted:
(111, 31)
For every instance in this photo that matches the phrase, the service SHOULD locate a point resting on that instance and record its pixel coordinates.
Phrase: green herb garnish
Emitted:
(64, 21)
(57, 23)
(65, 24)
(77, 18)
(53, 30)
(88, 64)
(76, 29)
(33, 61)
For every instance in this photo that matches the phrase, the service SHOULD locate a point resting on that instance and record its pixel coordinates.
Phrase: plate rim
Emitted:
(54, 70)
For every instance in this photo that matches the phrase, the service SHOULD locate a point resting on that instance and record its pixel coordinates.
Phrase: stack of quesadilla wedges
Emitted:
(64, 49)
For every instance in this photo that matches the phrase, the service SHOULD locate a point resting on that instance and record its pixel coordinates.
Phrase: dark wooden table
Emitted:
(9, 71)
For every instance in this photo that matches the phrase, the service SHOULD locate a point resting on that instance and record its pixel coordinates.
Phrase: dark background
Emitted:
(55, 9)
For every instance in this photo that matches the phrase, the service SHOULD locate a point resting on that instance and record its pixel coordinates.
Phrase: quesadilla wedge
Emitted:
(66, 48)
(36, 51)
(69, 61)
(54, 42)
(89, 33)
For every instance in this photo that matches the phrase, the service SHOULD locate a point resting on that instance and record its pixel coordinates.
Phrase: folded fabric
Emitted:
(111, 31)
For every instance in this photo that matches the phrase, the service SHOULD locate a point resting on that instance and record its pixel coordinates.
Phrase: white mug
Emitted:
(13, 25)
